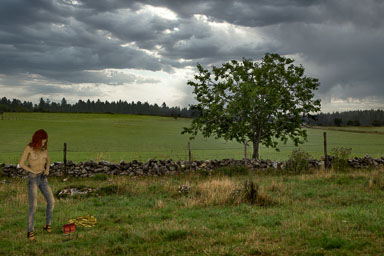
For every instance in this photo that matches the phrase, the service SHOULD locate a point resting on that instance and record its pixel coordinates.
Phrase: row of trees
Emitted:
(122, 107)
(350, 118)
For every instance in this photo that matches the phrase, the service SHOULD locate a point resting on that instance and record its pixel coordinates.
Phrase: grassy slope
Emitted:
(315, 214)
(127, 137)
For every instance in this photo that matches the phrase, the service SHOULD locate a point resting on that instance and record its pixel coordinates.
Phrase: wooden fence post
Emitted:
(190, 156)
(65, 157)
(325, 151)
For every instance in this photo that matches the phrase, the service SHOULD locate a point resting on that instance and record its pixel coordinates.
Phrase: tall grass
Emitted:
(215, 191)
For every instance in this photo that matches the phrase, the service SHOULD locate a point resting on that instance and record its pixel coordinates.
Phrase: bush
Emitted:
(350, 123)
(205, 173)
(100, 176)
(338, 121)
(298, 161)
(340, 158)
(353, 123)
(250, 193)
(376, 123)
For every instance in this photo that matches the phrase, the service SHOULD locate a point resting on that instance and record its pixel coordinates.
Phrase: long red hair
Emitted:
(37, 139)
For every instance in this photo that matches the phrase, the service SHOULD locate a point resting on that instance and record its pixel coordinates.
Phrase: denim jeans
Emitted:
(34, 181)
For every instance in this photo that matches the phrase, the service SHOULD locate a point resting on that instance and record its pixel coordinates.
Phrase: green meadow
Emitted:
(116, 137)
(318, 213)
(315, 213)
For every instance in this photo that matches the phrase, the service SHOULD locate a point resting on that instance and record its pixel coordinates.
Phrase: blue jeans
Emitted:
(34, 181)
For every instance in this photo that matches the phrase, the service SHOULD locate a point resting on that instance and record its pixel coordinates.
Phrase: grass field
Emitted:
(116, 137)
(311, 214)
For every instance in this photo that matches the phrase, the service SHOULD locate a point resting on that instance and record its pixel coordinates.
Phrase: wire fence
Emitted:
(181, 151)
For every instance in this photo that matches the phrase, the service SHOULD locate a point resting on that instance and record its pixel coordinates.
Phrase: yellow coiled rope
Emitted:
(86, 221)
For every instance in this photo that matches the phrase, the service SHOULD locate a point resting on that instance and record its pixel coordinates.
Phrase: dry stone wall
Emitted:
(156, 167)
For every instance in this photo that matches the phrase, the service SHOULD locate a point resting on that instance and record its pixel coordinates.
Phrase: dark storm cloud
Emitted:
(339, 42)
(342, 55)
(246, 13)
(254, 13)
(23, 13)
(50, 41)
(342, 39)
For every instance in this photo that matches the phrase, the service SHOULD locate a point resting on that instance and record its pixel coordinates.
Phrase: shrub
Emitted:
(338, 121)
(251, 194)
(376, 123)
(298, 161)
(350, 123)
(205, 173)
(340, 158)
(100, 176)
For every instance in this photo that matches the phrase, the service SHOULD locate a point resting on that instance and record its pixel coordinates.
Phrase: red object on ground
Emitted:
(69, 228)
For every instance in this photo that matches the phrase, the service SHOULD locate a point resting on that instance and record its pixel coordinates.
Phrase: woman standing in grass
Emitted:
(37, 155)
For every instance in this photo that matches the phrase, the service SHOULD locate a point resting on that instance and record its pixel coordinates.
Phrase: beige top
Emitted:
(36, 159)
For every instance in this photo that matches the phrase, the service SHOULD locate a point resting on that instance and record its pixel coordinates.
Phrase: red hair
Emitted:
(37, 139)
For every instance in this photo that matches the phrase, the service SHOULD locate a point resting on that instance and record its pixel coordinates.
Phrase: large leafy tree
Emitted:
(258, 101)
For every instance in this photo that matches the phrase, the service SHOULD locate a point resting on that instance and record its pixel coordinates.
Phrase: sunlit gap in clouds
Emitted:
(248, 42)
(145, 86)
(158, 11)
(153, 53)
(72, 2)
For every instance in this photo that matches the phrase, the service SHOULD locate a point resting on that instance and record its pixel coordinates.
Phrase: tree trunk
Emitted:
(255, 154)
(255, 137)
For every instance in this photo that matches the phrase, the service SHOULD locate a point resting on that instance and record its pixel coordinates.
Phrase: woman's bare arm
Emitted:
(46, 172)
(24, 158)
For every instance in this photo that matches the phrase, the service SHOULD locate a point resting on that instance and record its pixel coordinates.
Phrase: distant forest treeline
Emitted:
(121, 107)
(348, 118)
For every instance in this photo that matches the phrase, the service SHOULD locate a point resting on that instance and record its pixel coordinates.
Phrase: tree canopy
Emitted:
(258, 101)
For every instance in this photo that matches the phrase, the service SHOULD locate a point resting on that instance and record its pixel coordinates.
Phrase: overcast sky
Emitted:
(148, 50)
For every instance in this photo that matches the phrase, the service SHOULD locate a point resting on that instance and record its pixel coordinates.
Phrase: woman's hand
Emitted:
(24, 158)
